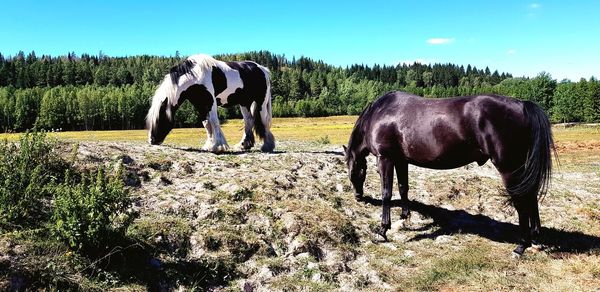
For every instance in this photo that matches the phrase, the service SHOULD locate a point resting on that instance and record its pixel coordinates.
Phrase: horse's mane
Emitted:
(181, 69)
(358, 130)
(194, 67)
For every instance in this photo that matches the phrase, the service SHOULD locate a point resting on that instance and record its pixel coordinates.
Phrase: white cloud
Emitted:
(440, 41)
(535, 5)
(511, 51)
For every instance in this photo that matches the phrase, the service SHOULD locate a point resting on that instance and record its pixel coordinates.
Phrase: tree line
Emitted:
(91, 92)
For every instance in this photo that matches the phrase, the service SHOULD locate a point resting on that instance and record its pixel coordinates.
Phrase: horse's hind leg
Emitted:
(402, 174)
(523, 211)
(386, 171)
(526, 206)
(535, 224)
(266, 118)
(247, 141)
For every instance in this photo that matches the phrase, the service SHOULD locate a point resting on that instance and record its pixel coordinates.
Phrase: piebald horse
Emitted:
(208, 83)
(402, 129)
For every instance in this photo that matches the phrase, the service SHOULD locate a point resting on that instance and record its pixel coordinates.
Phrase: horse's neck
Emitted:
(357, 144)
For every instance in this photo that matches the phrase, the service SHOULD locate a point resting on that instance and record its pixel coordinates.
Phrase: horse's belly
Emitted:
(442, 164)
(456, 157)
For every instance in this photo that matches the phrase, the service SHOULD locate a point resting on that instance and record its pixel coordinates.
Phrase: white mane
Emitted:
(167, 90)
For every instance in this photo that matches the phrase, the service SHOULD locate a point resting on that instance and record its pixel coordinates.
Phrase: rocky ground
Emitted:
(289, 221)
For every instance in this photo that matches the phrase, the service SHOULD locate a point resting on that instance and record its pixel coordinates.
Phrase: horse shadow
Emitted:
(459, 221)
(241, 152)
(229, 152)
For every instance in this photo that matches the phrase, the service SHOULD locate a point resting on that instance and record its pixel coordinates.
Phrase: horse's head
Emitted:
(161, 116)
(357, 170)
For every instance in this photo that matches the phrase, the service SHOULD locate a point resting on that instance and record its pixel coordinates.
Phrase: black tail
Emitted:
(259, 126)
(256, 110)
(538, 166)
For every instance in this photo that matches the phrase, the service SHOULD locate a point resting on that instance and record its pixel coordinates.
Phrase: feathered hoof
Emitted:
(268, 147)
(244, 145)
(216, 149)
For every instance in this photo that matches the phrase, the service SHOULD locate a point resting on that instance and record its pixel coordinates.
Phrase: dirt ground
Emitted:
(288, 221)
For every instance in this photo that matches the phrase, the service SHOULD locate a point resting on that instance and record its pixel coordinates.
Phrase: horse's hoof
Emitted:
(244, 145)
(219, 149)
(518, 251)
(515, 255)
(405, 214)
(382, 232)
(267, 148)
(359, 197)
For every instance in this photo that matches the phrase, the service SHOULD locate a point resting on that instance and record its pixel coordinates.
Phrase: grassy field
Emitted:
(288, 221)
(335, 129)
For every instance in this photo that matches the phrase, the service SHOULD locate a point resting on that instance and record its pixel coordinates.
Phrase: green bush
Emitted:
(25, 172)
(88, 212)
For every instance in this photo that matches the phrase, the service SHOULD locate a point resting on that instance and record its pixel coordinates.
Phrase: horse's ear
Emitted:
(345, 149)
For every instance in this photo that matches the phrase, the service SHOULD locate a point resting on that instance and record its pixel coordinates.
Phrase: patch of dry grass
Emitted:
(288, 221)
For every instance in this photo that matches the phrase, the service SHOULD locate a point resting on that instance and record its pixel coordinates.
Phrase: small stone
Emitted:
(316, 277)
(265, 273)
(443, 239)
(390, 245)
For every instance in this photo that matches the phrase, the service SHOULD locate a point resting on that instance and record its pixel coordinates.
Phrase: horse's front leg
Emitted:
(209, 135)
(247, 141)
(218, 144)
(402, 174)
(386, 171)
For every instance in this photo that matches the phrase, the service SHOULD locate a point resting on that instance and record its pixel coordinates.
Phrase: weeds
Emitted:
(324, 140)
(89, 212)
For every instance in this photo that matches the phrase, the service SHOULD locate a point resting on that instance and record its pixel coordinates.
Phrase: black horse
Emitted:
(401, 129)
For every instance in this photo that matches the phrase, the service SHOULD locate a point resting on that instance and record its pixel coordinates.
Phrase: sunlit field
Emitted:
(333, 130)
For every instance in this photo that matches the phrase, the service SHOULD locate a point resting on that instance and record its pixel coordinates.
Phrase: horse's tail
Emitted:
(262, 112)
(538, 165)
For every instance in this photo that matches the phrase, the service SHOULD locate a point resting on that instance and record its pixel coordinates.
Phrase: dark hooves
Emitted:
(405, 213)
(518, 252)
(382, 232)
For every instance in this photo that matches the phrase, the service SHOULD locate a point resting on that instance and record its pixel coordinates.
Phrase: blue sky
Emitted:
(519, 37)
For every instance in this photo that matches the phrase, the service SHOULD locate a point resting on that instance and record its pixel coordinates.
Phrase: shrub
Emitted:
(25, 172)
(324, 140)
(89, 212)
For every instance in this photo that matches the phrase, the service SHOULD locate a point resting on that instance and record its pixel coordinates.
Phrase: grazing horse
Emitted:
(401, 129)
(208, 83)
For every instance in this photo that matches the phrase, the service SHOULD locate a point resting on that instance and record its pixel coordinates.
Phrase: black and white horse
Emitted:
(208, 83)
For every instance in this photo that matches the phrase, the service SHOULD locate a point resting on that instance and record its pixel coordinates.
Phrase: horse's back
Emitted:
(441, 133)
